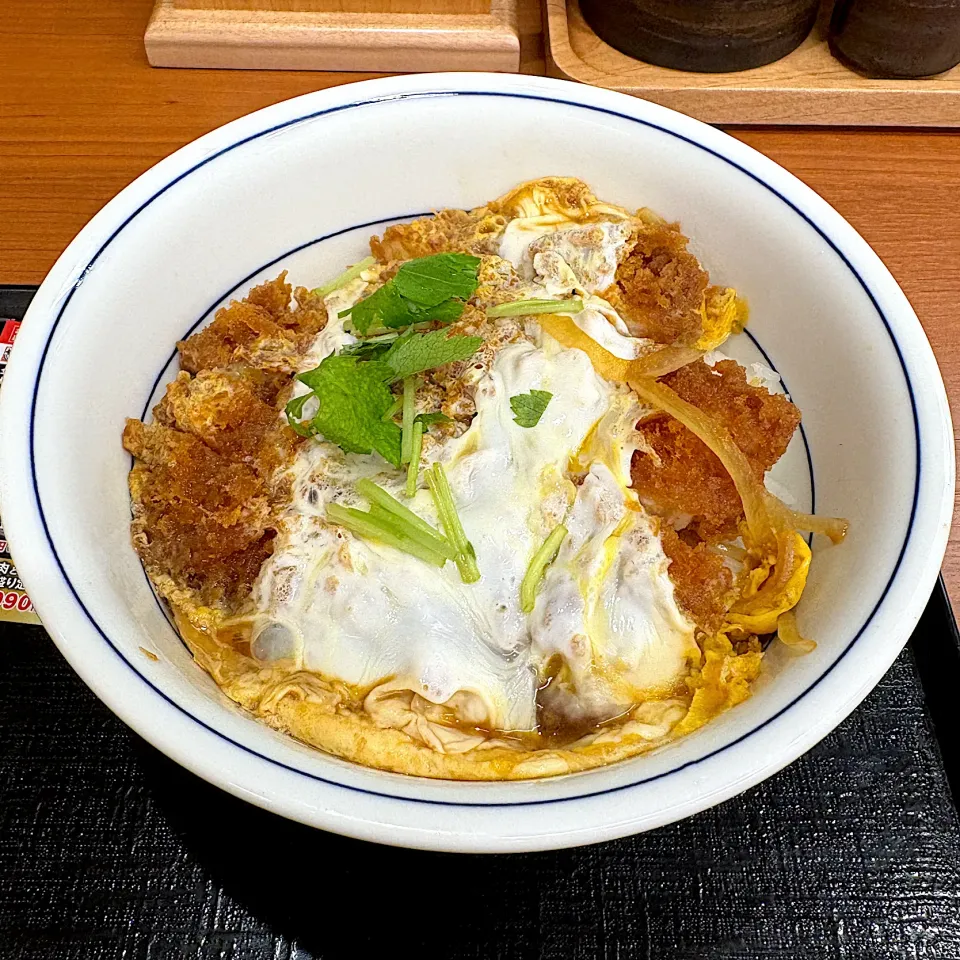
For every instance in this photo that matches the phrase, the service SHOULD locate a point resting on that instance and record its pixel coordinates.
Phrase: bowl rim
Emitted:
(37, 552)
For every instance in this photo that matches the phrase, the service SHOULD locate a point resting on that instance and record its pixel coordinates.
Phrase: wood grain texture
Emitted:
(317, 37)
(342, 6)
(808, 86)
(82, 114)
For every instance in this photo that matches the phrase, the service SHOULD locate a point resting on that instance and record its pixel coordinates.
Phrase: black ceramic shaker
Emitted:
(897, 38)
(707, 36)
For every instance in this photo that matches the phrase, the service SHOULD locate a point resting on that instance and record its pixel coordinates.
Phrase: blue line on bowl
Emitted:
(516, 96)
(207, 314)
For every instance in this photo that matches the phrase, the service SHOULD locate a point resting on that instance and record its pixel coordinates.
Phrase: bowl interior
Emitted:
(305, 197)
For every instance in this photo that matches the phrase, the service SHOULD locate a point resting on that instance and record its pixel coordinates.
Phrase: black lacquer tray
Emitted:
(110, 851)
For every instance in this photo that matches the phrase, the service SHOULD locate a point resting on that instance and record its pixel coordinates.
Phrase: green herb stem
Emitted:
(380, 332)
(344, 278)
(414, 466)
(374, 527)
(435, 542)
(341, 280)
(393, 409)
(450, 521)
(520, 308)
(409, 412)
(541, 560)
(410, 524)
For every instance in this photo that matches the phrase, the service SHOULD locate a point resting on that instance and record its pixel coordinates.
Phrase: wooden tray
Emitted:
(808, 86)
(368, 35)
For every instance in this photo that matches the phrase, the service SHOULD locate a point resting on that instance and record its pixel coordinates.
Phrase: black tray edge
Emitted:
(935, 642)
(936, 649)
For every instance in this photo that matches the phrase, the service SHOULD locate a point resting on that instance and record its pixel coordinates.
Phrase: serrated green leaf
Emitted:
(428, 419)
(371, 349)
(431, 280)
(386, 308)
(445, 312)
(353, 398)
(528, 407)
(374, 310)
(415, 352)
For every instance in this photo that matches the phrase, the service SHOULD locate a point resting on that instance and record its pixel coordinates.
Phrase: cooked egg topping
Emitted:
(607, 606)
(403, 516)
(590, 251)
(369, 614)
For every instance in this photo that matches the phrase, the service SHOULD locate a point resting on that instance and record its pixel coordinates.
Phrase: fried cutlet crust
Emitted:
(262, 330)
(478, 231)
(676, 475)
(202, 485)
(199, 518)
(659, 286)
(449, 231)
(702, 583)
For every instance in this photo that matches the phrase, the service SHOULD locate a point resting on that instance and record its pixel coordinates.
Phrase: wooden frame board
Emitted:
(364, 35)
(808, 86)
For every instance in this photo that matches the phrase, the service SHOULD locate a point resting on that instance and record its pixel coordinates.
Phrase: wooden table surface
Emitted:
(82, 114)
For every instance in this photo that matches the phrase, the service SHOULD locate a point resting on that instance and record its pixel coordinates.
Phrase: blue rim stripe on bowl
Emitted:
(517, 96)
(216, 303)
(207, 315)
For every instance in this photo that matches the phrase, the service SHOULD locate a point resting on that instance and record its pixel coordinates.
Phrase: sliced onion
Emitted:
(564, 330)
(716, 436)
(790, 636)
(664, 361)
(833, 527)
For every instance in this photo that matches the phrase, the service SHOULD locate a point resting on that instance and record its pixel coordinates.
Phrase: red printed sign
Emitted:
(14, 602)
(8, 330)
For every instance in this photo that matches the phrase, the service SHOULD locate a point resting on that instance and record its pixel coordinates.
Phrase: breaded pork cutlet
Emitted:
(677, 476)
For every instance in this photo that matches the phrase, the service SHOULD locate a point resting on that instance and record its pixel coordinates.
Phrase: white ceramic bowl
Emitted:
(302, 185)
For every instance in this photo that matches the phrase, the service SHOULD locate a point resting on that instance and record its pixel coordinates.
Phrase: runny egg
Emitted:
(482, 595)
(370, 615)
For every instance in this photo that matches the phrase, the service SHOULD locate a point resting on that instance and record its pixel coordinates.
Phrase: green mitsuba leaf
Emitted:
(371, 349)
(528, 407)
(429, 288)
(416, 352)
(431, 280)
(353, 398)
(383, 305)
(428, 419)
(387, 308)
